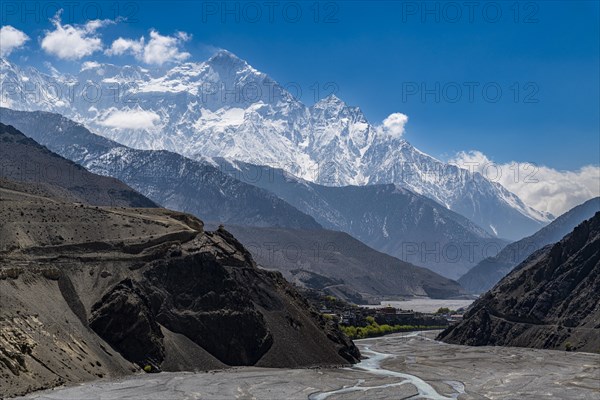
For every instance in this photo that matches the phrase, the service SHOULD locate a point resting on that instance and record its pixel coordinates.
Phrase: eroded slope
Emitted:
(92, 292)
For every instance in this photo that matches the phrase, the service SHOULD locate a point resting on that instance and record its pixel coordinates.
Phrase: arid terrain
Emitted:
(550, 301)
(400, 366)
(314, 200)
(89, 292)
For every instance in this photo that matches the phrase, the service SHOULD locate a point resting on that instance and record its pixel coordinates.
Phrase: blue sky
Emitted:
(424, 59)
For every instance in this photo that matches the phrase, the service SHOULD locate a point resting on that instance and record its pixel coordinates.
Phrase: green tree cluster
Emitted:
(374, 329)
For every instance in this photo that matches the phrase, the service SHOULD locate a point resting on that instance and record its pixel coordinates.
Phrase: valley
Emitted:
(200, 205)
(399, 366)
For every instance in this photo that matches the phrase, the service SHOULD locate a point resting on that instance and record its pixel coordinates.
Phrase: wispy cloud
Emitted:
(131, 119)
(540, 187)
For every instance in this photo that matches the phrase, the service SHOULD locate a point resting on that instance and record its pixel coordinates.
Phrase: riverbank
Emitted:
(425, 305)
(399, 366)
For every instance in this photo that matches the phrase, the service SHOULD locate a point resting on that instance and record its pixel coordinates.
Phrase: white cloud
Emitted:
(540, 187)
(131, 119)
(90, 65)
(72, 42)
(122, 46)
(158, 50)
(11, 39)
(393, 125)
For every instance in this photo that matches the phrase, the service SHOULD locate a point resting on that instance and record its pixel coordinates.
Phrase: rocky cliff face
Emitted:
(551, 300)
(92, 292)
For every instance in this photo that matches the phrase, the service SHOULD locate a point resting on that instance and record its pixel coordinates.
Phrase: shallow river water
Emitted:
(372, 365)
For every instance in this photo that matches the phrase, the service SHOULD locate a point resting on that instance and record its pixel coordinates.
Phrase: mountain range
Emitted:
(225, 108)
(170, 179)
(388, 217)
(205, 191)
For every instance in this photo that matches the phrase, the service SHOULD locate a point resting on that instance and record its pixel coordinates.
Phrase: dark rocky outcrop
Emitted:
(196, 296)
(124, 319)
(551, 300)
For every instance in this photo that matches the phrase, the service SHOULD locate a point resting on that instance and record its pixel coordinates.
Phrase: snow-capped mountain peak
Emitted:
(225, 108)
(330, 101)
(226, 58)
